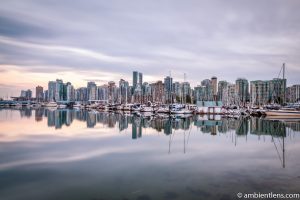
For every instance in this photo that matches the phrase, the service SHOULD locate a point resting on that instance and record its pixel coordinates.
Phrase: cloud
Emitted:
(19, 28)
(71, 50)
(200, 38)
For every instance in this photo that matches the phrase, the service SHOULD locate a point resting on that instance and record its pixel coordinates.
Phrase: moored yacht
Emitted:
(51, 104)
(148, 108)
(163, 109)
(136, 108)
(127, 107)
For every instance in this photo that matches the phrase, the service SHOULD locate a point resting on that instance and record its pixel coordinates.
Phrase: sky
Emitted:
(98, 40)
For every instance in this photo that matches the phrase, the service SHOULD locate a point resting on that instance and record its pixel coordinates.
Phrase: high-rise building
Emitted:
(168, 84)
(157, 91)
(259, 92)
(140, 78)
(103, 93)
(81, 94)
(59, 90)
(135, 77)
(214, 85)
(112, 92)
(23, 93)
(199, 93)
(264, 92)
(39, 94)
(123, 91)
(222, 88)
(186, 93)
(26, 94)
(92, 91)
(51, 91)
(242, 91)
(293, 93)
(177, 88)
(137, 80)
(203, 93)
(278, 90)
(70, 92)
(231, 95)
(146, 92)
(29, 94)
(46, 95)
(206, 90)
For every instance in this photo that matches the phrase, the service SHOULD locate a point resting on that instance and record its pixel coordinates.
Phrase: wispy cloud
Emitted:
(109, 39)
(73, 50)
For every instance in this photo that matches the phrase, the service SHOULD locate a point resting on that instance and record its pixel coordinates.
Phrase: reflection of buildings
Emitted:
(268, 127)
(39, 114)
(136, 128)
(91, 119)
(167, 125)
(25, 112)
(123, 122)
(164, 124)
(243, 126)
(209, 126)
(58, 118)
(294, 126)
(276, 130)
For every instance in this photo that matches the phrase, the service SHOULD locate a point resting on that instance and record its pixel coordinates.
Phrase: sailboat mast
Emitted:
(283, 76)
(126, 96)
(283, 153)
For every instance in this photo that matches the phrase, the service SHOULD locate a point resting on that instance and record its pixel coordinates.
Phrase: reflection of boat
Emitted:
(127, 107)
(283, 118)
(181, 111)
(78, 105)
(119, 107)
(36, 105)
(290, 113)
(17, 105)
(162, 115)
(62, 106)
(180, 116)
(146, 114)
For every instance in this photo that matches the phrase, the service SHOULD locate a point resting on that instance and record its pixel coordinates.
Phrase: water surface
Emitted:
(89, 155)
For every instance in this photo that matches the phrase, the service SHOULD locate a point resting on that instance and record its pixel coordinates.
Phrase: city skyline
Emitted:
(132, 82)
(168, 90)
(105, 41)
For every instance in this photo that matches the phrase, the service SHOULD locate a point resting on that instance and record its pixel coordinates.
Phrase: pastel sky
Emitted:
(100, 40)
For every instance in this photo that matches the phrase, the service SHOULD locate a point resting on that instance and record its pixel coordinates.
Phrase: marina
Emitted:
(292, 110)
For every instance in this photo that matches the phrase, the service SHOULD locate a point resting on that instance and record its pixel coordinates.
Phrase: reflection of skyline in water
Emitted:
(58, 148)
(162, 123)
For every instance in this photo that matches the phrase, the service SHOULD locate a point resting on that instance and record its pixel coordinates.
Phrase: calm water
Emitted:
(88, 155)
